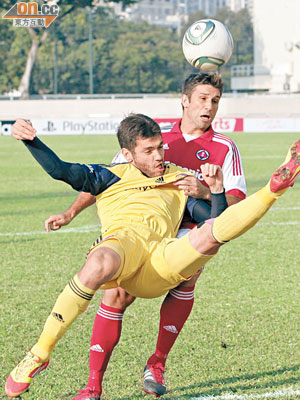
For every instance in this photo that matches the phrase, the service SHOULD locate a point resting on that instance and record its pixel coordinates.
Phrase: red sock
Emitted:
(106, 334)
(174, 312)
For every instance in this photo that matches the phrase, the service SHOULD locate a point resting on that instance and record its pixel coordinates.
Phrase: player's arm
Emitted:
(233, 176)
(56, 221)
(23, 130)
(93, 179)
(83, 200)
(199, 209)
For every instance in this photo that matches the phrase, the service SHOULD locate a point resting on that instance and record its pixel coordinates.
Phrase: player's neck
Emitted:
(190, 129)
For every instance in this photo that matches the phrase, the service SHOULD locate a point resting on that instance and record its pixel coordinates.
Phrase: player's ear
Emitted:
(185, 100)
(127, 154)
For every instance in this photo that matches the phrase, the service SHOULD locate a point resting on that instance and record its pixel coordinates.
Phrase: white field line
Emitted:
(262, 157)
(81, 229)
(96, 228)
(279, 223)
(278, 394)
(285, 208)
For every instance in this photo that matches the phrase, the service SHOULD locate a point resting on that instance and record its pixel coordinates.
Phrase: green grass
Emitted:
(248, 297)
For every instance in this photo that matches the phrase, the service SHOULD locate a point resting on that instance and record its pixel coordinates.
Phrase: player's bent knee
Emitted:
(104, 259)
(101, 266)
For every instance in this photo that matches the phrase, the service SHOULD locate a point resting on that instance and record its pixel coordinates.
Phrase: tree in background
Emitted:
(39, 36)
(127, 57)
(7, 37)
(154, 63)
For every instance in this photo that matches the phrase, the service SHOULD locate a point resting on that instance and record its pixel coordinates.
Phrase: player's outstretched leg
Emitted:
(239, 218)
(21, 376)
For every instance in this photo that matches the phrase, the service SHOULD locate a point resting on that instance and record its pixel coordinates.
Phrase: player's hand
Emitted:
(192, 187)
(23, 130)
(213, 176)
(56, 221)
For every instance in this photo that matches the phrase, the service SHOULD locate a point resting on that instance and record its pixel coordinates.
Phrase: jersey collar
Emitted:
(207, 135)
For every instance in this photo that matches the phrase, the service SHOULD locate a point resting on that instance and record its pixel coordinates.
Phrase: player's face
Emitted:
(200, 110)
(148, 156)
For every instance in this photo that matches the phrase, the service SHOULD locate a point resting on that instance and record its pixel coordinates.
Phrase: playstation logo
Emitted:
(50, 127)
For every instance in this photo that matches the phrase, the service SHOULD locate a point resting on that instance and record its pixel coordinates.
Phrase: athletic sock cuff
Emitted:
(186, 293)
(80, 290)
(110, 312)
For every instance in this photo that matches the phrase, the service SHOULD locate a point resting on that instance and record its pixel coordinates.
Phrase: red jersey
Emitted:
(189, 152)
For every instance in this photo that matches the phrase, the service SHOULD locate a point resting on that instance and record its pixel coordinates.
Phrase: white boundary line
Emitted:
(96, 228)
(81, 229)
(279, 223)
(285, 208)
(278, 394)
(262, 157)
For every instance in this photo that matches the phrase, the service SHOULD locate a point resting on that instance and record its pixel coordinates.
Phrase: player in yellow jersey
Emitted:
(141, 211)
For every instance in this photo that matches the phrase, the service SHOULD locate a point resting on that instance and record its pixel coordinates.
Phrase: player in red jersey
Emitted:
(191, 152)
(189, 143)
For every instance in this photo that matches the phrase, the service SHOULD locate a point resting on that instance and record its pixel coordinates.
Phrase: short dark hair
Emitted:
(202, 78)
(134, 126)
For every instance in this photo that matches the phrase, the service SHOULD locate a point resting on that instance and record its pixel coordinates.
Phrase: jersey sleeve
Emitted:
(97, 178)
(233, 173)
(91, 178)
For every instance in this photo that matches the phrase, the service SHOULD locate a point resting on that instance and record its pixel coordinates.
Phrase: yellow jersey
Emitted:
(139, 202)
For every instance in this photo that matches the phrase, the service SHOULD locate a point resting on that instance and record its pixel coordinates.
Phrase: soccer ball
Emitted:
(207, 44)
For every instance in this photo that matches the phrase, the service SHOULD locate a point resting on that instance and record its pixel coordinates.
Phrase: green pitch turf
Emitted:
(242, 337)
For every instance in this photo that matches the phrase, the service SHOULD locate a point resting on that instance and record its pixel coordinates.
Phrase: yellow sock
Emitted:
(267, 192)
(73, 301)
(239, 218)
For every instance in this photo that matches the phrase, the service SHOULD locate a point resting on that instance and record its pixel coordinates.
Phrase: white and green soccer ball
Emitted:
(207, 44)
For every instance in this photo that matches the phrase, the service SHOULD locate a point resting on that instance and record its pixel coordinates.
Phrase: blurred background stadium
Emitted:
(100, 60)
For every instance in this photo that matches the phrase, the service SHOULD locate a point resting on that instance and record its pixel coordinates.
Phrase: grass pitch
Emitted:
(242, 337)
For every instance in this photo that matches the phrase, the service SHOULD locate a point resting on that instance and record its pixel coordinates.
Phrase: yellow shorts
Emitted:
(150, 269)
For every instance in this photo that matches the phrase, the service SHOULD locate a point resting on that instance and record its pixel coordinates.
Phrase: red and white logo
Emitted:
(202, 155)
(171, 328)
